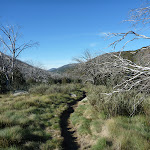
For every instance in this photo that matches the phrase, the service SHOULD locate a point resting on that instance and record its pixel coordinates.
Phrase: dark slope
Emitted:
(140, 56)
(27, 70)
(63, 69)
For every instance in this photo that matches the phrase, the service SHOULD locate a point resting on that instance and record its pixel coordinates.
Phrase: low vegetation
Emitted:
(116, 103)
(104, 123)
(50, 89)
(32, 121)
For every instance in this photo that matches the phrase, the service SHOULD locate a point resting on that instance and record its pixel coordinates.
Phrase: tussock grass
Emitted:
(33, 121)
(100, 144)
(146, 109)
(132, 134)
(85, 126)
(118, 132)
(11, 134)
(115, 104)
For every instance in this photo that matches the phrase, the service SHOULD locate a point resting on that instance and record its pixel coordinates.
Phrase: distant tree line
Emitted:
(21, 83)
(63, 80)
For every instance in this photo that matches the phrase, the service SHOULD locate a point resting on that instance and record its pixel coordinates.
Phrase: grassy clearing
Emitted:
(98, 132)
(33, 121)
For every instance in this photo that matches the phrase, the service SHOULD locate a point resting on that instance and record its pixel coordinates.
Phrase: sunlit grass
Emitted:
(120, 132)
(33, 121)
(100, 144)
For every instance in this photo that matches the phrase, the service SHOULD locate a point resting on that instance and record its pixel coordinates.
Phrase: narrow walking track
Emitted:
(69, 142)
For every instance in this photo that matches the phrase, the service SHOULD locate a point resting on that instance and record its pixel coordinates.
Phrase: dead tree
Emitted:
(140, 78)
(86, 67)
(3, 66)
(9, 37)
(138, 75)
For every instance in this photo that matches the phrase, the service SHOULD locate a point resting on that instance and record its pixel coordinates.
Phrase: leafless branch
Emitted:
(9, 36)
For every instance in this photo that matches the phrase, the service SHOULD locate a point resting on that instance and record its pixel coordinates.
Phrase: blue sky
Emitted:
(66, 28)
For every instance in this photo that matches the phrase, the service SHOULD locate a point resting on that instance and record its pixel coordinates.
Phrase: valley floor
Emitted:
(32, 121)
(54, 118)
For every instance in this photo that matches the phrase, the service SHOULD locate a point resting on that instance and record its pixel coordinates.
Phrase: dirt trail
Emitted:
(69, 142)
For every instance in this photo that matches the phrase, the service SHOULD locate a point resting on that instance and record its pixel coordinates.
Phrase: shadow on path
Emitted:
(69, 142)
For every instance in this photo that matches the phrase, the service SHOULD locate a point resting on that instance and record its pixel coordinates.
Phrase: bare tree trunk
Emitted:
(13, 65)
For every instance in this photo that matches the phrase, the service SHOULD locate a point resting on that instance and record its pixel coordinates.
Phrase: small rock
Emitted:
(73, 95)
(85, 99)
(19, 92)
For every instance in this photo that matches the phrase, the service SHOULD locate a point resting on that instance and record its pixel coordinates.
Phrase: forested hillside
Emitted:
(27, 70)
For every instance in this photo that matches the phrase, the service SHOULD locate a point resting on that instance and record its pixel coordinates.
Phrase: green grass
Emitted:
(100, 144)
(130, 133)
(85, 126)
(33, 121)
(118, 132)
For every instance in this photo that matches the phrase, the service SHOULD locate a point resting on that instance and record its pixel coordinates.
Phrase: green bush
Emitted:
(62, 80)
(31, 81)
(3, 83)
(115, 104)
(55, 88)
(39, 89)
(110, 79)
(19, 81)
(67, 88)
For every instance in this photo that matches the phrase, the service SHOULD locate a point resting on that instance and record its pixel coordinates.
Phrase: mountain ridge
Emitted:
(63, 68)
(140, 57)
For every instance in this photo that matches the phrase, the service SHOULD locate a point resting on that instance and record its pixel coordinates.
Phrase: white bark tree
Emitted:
(140, 78)
(9, 39)
(114, 63)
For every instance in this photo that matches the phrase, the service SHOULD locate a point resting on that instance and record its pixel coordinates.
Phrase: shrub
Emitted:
(62, 80)
(39, 89)
(3, 83)
(18, 82)
(50, 89)
(31, 81)
(115, 104)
